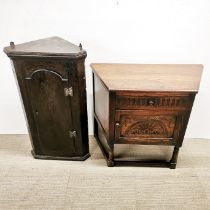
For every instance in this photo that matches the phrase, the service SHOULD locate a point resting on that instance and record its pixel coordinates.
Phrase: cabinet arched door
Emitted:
(51, 107)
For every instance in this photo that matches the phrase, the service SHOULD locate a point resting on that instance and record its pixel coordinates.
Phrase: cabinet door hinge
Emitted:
(68, 91)
(72, 134)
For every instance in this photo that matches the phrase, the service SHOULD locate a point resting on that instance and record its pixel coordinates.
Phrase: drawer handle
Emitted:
(151, 102)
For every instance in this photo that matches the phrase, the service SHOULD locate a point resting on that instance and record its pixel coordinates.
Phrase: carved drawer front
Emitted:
(136, 102)
(145, 127)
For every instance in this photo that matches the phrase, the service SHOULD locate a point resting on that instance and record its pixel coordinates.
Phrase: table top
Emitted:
(150, 77)
(52, 46)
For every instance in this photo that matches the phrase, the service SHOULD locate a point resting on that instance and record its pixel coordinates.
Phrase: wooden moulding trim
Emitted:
(48, 157)
(142, 163)
(146, 141)
(74, 57)
(154, 93)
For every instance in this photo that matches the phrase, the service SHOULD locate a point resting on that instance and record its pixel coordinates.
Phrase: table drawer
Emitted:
(147, 127)
(138, 102)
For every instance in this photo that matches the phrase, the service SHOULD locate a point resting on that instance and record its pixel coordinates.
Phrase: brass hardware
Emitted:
(72, 134)
(68, 91)
(117, 130)
(117, 125)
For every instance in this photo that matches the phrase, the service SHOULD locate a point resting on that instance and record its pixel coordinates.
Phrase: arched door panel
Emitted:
(52, 112)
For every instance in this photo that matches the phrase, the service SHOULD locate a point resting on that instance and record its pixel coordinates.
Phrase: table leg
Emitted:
(110, 161)
(173, 160)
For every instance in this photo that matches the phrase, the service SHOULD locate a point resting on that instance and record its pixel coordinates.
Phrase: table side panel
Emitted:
(101, 104)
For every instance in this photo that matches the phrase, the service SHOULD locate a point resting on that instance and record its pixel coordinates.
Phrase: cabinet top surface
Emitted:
(53, 46)
(150, 77)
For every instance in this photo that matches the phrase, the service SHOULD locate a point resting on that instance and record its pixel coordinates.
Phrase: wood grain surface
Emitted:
(150, 77)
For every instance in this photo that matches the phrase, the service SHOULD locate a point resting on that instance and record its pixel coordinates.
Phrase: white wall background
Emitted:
(125, 31)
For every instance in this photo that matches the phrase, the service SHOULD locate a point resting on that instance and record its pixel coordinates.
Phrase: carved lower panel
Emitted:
(147, 126)
(133, 102)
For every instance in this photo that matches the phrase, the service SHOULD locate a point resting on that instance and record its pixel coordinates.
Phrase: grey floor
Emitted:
(26, 183)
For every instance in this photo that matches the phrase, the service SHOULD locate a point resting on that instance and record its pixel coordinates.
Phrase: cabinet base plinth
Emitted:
(47, 157)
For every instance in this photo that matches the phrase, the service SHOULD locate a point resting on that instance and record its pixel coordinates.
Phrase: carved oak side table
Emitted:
(51, 79)
(143, 104)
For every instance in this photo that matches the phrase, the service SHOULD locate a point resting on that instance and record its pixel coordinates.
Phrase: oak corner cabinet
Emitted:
(51, 79)
(143, 104)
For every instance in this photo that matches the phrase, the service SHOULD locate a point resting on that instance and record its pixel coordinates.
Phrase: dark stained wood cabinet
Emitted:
(51, 79)
(143, 104)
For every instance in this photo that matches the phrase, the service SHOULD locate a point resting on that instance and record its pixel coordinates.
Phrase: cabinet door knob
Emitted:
(117, 125)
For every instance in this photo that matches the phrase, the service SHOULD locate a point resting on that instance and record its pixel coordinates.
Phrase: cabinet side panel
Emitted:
(101, 104)
(83, 105)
